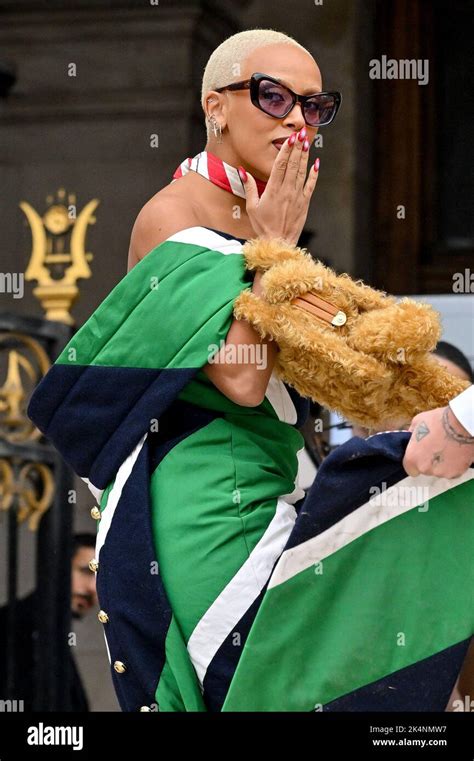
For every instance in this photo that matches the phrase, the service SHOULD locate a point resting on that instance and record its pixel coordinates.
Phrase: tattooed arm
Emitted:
(440, 444)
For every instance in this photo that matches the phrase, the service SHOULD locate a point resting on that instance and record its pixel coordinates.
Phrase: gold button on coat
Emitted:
(102, 616)
(95, 513)
(120, 667)
(93, 565)
(145, 709)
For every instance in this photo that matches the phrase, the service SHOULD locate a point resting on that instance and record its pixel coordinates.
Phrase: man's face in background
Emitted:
(83, 589)
(452, 367)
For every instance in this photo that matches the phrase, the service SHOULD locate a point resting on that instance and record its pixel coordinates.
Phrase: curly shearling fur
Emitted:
(374, 370)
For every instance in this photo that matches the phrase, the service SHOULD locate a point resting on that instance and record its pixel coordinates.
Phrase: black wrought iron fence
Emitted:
(36, 528)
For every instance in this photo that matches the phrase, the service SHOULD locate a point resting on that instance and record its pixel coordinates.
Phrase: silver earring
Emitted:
(217, 129)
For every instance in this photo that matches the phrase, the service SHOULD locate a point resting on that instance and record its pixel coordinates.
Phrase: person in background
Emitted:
(83, 591)
(453, 360)
(83, 599)
(442, 442)
(447, 355)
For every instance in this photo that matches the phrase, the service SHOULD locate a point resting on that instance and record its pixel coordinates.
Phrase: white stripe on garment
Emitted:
(201, 236)
(115, 493)
(281, 401)
(94, 489)
(200, 164)
(107, 647)
(306, 469)
(201, 161)
(382, 507)
(234, 180)
(298, 492)
(241, 591)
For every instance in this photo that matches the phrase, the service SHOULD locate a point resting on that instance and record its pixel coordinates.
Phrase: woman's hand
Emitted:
(281, 210)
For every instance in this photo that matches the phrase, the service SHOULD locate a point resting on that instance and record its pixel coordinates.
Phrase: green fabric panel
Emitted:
(178, 300)
(178, 687)
(212, 497)
(105, 496)
(317, 637)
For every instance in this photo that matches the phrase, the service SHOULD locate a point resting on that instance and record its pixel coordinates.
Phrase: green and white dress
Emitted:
(221, 588)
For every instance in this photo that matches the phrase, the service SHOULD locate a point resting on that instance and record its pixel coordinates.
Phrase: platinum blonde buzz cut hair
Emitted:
(223, 66)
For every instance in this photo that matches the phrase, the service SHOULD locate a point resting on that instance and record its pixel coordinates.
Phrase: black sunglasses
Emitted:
(275, 99)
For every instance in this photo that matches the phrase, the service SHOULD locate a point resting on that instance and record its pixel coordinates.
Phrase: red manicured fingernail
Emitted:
(242, 173)
(292, 138)
(306, 145)
(302, 134)
(316, 165)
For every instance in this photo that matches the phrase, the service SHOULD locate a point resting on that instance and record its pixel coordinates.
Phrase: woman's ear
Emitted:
(214, 105)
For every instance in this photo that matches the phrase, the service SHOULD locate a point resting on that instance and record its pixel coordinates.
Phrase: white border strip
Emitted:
(201, 236)
(241, 591)
(115, 493)
(298, 492)
(394, 501)
(107, 647)
(94, 489)
(281, 401)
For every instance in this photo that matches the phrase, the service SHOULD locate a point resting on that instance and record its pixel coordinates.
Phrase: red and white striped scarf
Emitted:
(217, 171)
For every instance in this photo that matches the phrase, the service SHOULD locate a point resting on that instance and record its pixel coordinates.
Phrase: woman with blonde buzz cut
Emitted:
(222, 588)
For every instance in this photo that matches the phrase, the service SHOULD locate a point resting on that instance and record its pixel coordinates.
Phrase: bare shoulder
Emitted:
(167, 212)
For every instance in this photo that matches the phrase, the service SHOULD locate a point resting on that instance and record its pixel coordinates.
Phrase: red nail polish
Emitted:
(242, 174)
(292, 138)
(316, 165)
(306, 145)
(302, 134)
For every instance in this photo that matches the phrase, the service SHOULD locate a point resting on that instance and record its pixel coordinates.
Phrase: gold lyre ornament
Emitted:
(23, 362)
(25, 485)
(56, 269)
(32, 484)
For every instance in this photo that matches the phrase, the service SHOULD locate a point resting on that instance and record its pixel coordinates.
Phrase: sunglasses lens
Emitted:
(320, 110)
(277, 101)
(273, 98)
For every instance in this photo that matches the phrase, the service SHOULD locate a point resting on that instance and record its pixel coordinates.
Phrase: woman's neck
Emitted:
(226, 153)
(218, 197)
(214, 206)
